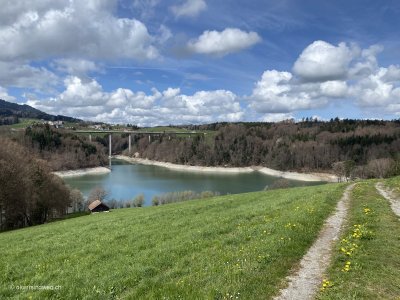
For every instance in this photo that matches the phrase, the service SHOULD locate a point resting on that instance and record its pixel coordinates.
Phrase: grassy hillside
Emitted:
(230, 247)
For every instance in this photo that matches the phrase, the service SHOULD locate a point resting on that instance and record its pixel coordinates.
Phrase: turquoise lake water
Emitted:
(129, 180)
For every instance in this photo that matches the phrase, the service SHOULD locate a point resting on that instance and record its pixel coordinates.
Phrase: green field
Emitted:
(24, 122)
(236, 246)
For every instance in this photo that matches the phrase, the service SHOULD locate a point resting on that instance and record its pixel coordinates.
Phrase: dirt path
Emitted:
(394, 201)
(305, 282)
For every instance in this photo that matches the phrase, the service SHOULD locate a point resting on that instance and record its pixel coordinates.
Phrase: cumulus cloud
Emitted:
(5, 96)
(276, 92)
(380, 89)
(220, 43)
(325, 73)
(88, 29)
(322, 61)
(85, 98)
(189, 8)
(334, 88)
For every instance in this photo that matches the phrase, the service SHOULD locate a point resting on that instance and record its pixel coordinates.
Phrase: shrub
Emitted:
(138, 201)
(155, 201)
(181, 196)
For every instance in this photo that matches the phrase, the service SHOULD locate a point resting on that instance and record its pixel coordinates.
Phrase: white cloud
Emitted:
(325, 73)
(5, 96)
(171, 93)
(277, 93)
(86, 99)
(381, 89)
(22, 75)
(334, 89)
(392, 74)
(221, 43)
(14, 9)
(189, 8)
(366, 63)
(76, 66)
(86, 29)
(322, 61)
(276, 117)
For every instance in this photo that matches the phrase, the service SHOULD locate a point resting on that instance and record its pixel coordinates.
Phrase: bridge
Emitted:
(137, 132)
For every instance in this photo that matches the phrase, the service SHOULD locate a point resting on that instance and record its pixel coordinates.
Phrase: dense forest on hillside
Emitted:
(305, 146)
(61, 149)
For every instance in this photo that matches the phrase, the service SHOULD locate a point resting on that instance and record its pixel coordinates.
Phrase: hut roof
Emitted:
(94, 204)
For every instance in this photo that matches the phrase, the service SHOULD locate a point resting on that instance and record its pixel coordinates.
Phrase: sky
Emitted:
(200, 61)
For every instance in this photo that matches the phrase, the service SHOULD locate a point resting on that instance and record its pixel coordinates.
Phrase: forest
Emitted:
(364, 148)
(29, 193)
(309, 145)
(63, 150)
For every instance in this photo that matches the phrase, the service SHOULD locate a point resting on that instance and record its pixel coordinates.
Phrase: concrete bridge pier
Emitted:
(109, 144)
(129, 143)
(90, 138)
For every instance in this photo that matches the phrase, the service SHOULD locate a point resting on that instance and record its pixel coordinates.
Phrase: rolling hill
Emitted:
(14, 110)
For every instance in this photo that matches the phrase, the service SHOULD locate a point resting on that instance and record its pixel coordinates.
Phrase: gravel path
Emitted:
(389, 195)
(305, 282)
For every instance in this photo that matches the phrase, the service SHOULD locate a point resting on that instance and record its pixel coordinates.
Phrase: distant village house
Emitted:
(56, 124)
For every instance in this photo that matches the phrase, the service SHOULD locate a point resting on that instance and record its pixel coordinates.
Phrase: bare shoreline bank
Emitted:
(184, 167)
(81, 172)
(236, 170)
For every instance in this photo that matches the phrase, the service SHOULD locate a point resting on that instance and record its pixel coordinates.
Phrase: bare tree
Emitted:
(98, 193)
(339, 170)
(380, 167)
(77, 200)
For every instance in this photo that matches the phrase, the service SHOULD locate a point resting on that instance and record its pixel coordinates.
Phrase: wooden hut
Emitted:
(98, 206)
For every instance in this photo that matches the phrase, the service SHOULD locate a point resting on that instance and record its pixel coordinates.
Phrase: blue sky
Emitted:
(197, 61)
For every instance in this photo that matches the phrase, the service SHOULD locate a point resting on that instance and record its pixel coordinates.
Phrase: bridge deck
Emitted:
(138, 132)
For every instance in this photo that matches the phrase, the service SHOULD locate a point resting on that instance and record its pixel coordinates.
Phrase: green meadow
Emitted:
(229, 247)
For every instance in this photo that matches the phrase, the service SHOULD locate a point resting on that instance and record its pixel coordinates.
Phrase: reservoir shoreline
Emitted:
(81, 172)
(234, 170)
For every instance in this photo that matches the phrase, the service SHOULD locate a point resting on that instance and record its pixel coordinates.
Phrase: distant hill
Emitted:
(13, 110)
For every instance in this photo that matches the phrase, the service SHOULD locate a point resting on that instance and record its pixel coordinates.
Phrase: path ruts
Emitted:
(394, 201)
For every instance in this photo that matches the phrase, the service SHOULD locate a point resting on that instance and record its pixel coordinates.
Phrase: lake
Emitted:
(129, 180)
